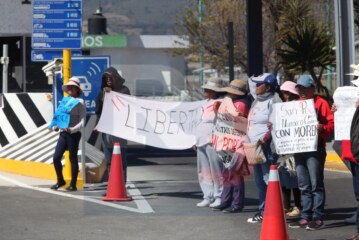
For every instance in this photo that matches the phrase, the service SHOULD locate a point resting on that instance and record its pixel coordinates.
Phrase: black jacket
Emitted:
(354, 135)
(117, 86)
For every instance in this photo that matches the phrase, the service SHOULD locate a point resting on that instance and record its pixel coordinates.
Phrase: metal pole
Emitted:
(345, 50)
(254, 37)
(201, 49)
(329, 70)
(24, 63)
(66, 76)
(5, 63)
(231, 51)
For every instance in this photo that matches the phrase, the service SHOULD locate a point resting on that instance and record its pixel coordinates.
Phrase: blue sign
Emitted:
(48, 55)
(56, 24)
(61, 116)
(89, 70)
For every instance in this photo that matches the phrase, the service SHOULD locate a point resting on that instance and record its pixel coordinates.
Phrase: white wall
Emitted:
(147, 64)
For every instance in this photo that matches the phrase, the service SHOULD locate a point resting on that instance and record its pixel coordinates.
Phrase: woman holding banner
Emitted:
(232, 199)
(258, 132)
(287, 174)
(69, 119)
(310, 165)
(209, 165)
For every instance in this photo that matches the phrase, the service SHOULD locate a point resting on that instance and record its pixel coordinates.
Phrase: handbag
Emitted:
(254, 153)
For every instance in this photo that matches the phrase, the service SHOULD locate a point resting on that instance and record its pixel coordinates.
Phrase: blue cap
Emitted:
(305, 81)
(268, 78)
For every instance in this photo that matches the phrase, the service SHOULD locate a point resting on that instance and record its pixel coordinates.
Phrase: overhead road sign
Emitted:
(56, 24)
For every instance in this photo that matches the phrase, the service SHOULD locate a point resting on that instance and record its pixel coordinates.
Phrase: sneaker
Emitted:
(314, 225)
(352, 219)
(258, 218)
(204, 203)
(232, 209)
(300, 224)
(295, 212)
(216, 203)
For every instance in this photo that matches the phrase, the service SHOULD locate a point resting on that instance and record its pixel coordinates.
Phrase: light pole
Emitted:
(201, 50)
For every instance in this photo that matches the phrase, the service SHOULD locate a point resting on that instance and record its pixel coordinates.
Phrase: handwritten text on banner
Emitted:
(168, 125)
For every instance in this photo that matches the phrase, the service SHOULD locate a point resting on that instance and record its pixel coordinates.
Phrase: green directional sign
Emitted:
(104, 41)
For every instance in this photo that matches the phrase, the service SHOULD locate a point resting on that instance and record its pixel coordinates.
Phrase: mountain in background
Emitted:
(137, 17)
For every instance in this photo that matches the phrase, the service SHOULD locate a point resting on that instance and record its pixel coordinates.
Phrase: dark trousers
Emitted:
(354, 168)
(233, 189)
(67, 142)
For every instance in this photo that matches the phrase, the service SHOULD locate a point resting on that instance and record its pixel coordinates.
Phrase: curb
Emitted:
(34, 169)
(334, 162)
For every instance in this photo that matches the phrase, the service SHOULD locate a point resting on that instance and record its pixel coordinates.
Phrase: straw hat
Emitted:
(214, 83)
(289, 86)
(237, 87)
(73, 81)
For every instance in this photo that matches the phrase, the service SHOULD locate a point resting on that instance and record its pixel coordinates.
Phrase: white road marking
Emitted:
(141, 203)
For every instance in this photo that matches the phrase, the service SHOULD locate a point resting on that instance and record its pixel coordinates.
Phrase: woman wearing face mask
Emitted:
(258, 119)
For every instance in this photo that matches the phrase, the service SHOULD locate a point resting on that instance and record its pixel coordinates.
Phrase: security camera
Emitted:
(51, 66)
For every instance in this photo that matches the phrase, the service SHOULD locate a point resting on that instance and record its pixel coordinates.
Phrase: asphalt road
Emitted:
(165, 192)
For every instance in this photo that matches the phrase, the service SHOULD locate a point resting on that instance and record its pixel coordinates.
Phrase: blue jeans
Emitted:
(69, 142)
(310, 171)
(261, 175)
(107, 145)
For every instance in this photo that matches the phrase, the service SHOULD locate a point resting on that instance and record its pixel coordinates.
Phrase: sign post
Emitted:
(56, 25)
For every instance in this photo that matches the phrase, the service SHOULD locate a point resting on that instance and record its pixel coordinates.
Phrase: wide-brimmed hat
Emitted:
(289, 86)
(73, 81)
(237, 87)
(214, 83)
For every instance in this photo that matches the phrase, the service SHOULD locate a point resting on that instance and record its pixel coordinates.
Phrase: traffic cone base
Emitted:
(116, 189)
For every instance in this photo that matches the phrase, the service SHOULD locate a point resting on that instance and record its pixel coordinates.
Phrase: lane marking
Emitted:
(141, 203)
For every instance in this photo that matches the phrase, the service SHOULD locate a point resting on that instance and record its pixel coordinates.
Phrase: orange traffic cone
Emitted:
(274, 225)
(116, 189)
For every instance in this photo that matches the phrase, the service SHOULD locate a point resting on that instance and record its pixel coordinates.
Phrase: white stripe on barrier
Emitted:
(18, 108)
(43, 105)
(6, 127)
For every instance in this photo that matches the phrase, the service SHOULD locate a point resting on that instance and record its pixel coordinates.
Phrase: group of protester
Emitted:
(223, 189)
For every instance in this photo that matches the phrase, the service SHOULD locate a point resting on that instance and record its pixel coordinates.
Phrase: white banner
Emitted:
(294, 127)
(344, 99)
(169, 125)
(229, 134)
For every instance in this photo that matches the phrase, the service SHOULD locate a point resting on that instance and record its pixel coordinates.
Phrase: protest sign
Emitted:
(168, 125)
(294, 127)
(229, 134)
(344, 98)
(61, 116)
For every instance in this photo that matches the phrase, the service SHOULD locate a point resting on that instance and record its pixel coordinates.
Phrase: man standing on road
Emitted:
(111, 81)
